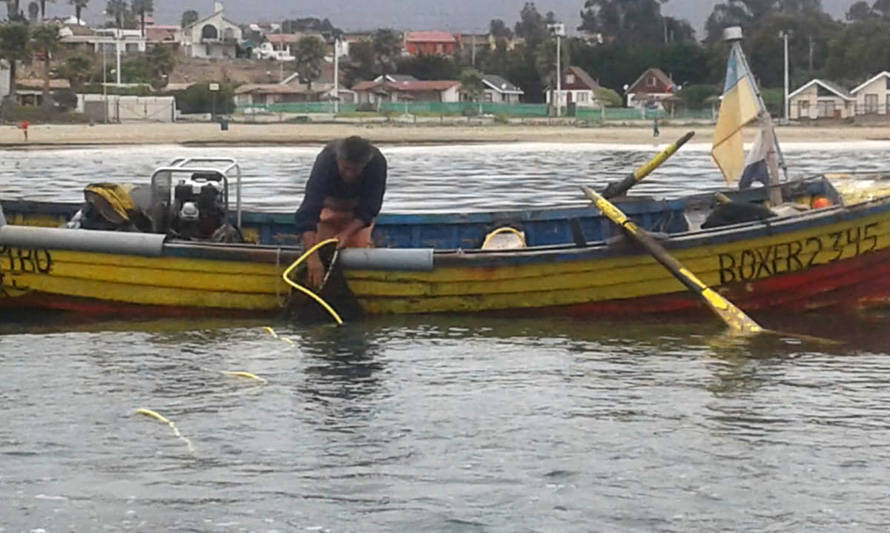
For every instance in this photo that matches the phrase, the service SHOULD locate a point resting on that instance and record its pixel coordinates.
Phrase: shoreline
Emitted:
(210, 134)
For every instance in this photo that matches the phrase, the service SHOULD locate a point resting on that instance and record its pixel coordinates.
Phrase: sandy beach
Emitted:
(205, 133)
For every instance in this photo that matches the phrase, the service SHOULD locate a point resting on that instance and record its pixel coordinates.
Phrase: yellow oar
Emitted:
(620, 187)
(734, 317)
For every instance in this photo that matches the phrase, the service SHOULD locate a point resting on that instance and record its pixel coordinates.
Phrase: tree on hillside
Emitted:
(46, 41)
(859, 11)
(14, 47)
(882, 8)
(189, 17)
(499, 30)
(387, 48)
(76, 69)
(142, 7)
(861, 50)
(78, 7)
(309, 24)
(120, 14)
(361, 62)
(43, 8)
(309, 53)
(14, 11)
(472, 86)
(429, 67)
(33, 12)
(160, 61)
(532, 26)
(633, 22)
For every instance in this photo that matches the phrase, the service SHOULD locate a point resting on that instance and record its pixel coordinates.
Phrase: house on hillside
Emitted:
(873, 96)
(820, 99)
(430, 42)
(651, 89)
(77, 38)
(162, 34)
(500, 91)
(393, 78)
(578, 89)
(29, 92)
(373, 92)
(213, 36)
(290, 90)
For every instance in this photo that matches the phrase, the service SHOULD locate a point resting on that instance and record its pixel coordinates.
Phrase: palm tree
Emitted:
(14, 46)
(33, 11)
(142, 7)
(13, 11)
(78, 7)
(471, 84)
(46, 40)
(118, 11)
(308, 55)
(387, 47)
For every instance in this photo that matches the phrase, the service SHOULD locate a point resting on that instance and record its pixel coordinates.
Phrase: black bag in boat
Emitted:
(335, 292)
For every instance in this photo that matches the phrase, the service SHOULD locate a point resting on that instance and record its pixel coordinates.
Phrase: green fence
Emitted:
(609, 114)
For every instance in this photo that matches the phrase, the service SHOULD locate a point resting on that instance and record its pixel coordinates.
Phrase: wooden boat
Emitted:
(574, 262)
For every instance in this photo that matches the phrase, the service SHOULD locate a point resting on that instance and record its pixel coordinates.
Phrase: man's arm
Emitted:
(306, 217)
(373, 188)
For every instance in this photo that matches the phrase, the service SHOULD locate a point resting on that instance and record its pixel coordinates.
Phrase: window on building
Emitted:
(826, 108)
(652, 81)
(871, 103)
(570, 78)
(803, 108)
(488, 96)
(887, 79)
(583, 97)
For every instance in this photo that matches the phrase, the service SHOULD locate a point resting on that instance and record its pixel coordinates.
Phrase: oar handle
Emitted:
(618, 188)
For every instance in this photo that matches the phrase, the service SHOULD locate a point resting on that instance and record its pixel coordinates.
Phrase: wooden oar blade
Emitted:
(734, 317)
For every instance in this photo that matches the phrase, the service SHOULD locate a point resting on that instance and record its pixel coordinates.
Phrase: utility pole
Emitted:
(812, 48)
(560, 31)
(787, 107)
(336, 74)
(105, 81)
(473, 51)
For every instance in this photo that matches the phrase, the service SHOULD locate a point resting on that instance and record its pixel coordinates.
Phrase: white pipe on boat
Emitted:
(106, 242)
(419, 259)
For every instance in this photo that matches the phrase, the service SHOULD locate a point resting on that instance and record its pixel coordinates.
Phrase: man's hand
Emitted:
(344, 236)
(314, 272)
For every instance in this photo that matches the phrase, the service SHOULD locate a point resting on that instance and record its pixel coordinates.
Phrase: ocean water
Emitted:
(440, 423)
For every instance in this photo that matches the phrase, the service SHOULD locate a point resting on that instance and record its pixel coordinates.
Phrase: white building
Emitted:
(213, 36)
(820, 99)
(873, 96)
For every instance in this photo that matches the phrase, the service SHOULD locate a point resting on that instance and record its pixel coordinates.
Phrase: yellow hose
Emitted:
(306, 291)
(161, 418)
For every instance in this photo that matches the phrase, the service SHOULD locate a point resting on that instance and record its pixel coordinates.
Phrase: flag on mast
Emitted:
(740, 106)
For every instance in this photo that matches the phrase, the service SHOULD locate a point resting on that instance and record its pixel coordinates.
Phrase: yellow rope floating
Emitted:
(247, 375)
(304, 290)
(277, 336)
(159, 417)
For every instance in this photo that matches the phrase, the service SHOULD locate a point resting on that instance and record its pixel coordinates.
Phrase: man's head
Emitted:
(352, 154)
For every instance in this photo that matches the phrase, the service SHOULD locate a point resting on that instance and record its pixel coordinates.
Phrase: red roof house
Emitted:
(431, 42)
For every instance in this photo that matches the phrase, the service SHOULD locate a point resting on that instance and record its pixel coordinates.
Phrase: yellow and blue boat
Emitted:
(570, 260)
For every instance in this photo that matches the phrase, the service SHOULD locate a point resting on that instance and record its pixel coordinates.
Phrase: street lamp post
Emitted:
(560, 31)
(336, 74)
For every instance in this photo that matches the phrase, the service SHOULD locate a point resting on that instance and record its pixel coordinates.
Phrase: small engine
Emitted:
(199, 206)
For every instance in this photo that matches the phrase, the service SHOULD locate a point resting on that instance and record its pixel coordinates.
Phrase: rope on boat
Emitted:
(158, 416)
(304, 290)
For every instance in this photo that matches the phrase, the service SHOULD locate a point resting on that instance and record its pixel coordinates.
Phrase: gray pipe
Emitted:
(81, 240)
(420, 259)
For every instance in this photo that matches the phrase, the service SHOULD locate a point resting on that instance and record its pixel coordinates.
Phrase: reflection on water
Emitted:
(455, 422)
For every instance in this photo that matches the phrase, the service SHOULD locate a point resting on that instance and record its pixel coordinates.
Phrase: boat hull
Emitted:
(836, 257)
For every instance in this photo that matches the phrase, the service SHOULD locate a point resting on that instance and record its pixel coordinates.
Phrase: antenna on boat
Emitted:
(733, 35)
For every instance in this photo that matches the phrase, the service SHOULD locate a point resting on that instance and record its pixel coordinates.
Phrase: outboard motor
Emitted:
(199, 206)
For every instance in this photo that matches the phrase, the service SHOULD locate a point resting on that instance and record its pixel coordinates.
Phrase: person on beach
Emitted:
(655, 132)
(343, 197)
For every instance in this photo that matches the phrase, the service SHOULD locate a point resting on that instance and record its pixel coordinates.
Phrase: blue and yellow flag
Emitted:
(739, 107)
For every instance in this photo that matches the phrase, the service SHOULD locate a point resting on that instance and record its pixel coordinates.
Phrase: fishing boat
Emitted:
(802, 244)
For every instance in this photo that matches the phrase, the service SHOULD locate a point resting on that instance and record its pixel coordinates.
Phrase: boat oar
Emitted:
(618, 188)
(734, 317)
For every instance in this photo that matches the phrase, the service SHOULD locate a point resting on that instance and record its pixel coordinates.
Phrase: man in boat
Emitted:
(343, 197)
